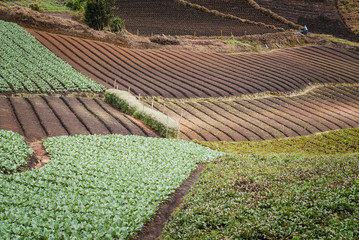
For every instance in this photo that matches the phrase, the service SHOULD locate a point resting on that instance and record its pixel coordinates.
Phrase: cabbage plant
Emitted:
(96, 186)
(26, 65)
(13, 151)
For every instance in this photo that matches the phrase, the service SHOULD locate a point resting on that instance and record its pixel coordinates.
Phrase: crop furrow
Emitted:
(222, 81)
(28, 119)
(240, 126)
(8, 118)
(283, 109)
(280, 117)
(68, 56)
(209, 86)
(48, 119)
(156, 87)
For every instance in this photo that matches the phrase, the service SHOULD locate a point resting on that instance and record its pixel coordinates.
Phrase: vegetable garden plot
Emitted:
(171, 18)
(26, 65)
(322, 109)
(96, 187)
(184, 74)
(13, 152)
(40, 117)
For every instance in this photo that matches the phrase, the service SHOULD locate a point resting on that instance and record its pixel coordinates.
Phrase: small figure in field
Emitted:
(304, 30)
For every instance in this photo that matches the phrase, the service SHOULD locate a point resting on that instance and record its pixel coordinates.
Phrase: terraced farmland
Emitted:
(170, 17)
(320, 16)
(183, 74)
(241, 9)
(320, 110)
(37, 118)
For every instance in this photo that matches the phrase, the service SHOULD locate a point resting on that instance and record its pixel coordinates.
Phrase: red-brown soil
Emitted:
(321, 16)
(171, 18)
(185, 74)
(241, 9)
(41, 117)
(322, 109)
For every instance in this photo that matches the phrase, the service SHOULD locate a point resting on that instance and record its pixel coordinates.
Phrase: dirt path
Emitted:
(153, 229)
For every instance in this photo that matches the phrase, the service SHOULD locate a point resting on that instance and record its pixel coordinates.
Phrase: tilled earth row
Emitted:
(184, 74)
(41, 117)
(320, 110)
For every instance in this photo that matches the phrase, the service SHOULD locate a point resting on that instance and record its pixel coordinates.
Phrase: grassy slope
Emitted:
(306, 195)
(333, 142)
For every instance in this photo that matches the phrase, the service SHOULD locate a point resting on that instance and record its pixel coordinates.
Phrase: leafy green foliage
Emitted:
(333, 142)
(36, 7)
(98, 13)
(76, 4)
(13, 151)
(95, 187)
(117, 24)
(129, 104)
(26, 65)
(272, 197)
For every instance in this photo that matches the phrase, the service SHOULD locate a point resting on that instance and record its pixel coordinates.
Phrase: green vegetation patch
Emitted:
(129, 104)
(272, 197)
(26, 65)
(13, 151)
(333, 142)
(96, 186)
(47, 5)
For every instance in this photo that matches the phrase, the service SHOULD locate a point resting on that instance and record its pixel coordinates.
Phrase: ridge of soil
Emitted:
(57, 24)
(153, 228)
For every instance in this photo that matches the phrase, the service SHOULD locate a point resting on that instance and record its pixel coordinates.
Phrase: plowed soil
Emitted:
(320, 110)
(184, 74)
(41, 117)
(321, 16)
(241, 9)
(171, 18)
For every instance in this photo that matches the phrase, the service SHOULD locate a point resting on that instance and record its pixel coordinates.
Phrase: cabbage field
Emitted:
(96, 186)
(26, 65)
(13, 151)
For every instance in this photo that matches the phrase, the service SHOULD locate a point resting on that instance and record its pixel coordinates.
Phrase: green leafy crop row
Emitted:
(26, 65)
(129, 104)
(13, 151)
(333, 142)
(272, 197)
(95, 187)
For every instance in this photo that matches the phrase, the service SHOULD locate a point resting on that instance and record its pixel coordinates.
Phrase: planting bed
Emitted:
(320, 16)
(320, 110)
(40, 117)
(95, 187)
(183, 74)
(170, 17)
(26, 65)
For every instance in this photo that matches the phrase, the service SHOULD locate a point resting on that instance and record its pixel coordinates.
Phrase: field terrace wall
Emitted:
(242, 9)
(320, 110)
(320, 16)
(171, 18)
(37, 118)
(183, 74)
